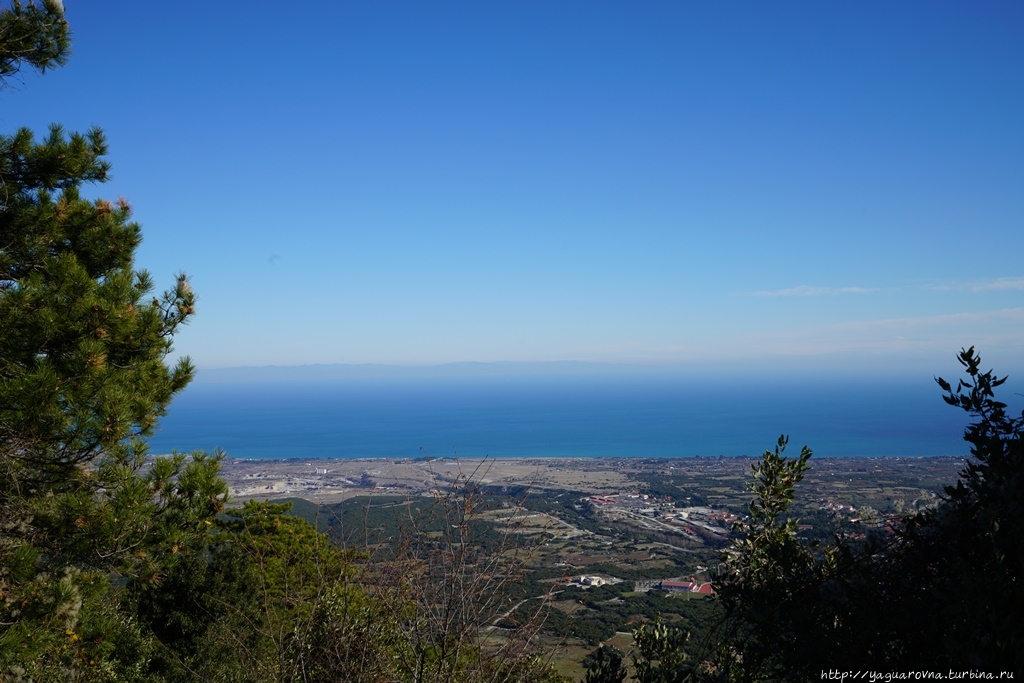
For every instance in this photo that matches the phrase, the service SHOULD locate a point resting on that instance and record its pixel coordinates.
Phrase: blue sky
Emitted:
(749, 185)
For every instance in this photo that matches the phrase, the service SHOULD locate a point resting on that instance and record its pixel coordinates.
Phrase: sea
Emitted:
(564, 417)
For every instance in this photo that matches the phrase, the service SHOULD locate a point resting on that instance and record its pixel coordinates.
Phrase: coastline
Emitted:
(334, 479)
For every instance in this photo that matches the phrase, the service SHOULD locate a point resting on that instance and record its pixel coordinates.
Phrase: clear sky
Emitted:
(751, 184)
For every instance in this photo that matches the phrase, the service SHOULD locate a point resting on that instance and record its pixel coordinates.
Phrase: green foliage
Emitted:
(88, 636)
(349, 636)
(85, 519)
(660, 655)
(941, 589)
(270, 600)
(293, 557)
(973, 544)
(204, 615)
(605, 666)
(82, 373)
(769, 565)
(32, 35)
(82, 349)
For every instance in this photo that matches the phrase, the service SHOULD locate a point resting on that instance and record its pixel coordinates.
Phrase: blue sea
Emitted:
(560, 417)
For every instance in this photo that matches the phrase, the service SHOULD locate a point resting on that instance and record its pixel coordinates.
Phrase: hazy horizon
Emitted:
(799, 369)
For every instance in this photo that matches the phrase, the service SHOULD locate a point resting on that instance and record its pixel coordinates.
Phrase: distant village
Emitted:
(686, 520)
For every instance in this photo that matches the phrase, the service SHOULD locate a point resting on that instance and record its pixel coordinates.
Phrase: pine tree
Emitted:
(32, 35)
(82, 380)
(82, 346)
(83, 343)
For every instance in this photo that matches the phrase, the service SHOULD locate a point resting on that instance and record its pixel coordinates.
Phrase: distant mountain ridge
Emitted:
(466, 370)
